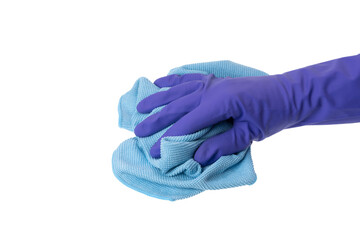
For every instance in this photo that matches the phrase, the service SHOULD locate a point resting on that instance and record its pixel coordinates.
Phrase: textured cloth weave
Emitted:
(176, 175)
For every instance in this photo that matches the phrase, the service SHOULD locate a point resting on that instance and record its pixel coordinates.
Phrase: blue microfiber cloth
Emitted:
(176, 175)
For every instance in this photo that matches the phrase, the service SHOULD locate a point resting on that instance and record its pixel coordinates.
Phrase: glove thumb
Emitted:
(232, 141)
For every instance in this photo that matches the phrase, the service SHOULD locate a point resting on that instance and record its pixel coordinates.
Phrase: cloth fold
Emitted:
(176, 175)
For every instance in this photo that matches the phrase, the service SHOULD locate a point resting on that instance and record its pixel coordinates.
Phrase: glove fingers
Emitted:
(165, 97)
(232, 141)
(167, 116)
(174, 79)
(201, 117)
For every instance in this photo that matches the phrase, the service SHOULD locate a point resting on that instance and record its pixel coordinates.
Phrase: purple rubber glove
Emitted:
(258, 107)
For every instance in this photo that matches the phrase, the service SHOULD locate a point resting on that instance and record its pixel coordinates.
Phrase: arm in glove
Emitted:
(258, 107)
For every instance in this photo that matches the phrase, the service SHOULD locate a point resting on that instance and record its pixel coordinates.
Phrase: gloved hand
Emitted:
(258, 107)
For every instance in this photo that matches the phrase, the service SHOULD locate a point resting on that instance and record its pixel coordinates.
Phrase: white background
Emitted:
(64, 66)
